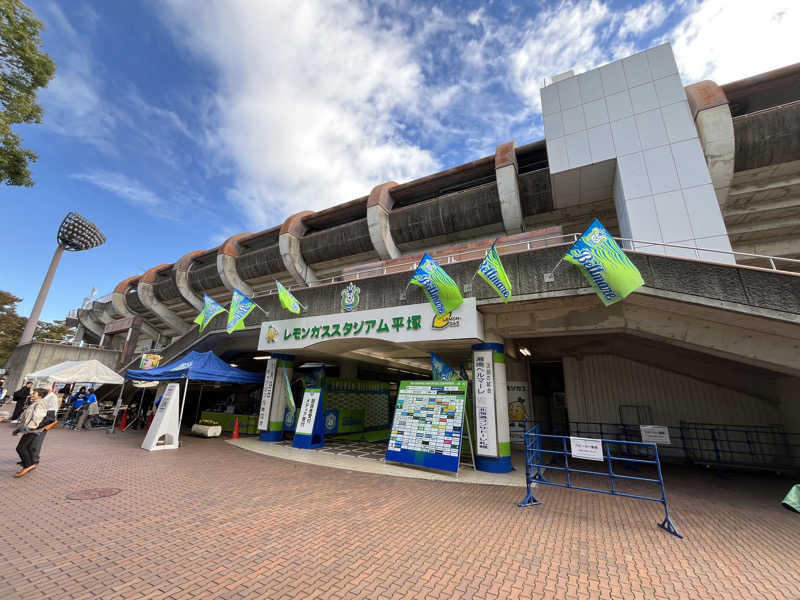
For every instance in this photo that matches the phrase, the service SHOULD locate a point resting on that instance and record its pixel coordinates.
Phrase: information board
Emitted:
(266, 395)
(483, 386)
(657, 434)
(427, 425)
(587, 448)
(308, 412)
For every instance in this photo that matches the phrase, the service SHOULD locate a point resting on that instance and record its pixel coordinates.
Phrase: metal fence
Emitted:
(761, 447)
(613, 452)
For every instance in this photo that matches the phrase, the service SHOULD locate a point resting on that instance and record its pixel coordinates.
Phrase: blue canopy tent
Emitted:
(197, 366)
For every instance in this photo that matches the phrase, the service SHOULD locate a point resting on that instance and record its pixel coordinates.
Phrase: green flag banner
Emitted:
(493, 273)
(288, 301)
(441, 290)
(611, 273)
(210, 310)
(241, 306)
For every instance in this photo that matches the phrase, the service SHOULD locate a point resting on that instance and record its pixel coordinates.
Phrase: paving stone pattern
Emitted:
(213, 521)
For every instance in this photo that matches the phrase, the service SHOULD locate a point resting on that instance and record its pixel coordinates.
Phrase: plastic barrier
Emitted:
(535, 468)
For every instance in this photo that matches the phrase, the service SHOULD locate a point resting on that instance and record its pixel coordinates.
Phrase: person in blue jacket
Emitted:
(90, 410)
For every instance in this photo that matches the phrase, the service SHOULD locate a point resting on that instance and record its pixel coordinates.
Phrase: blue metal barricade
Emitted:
(535, 468)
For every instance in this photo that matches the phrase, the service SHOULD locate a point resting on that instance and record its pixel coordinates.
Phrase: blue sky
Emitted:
(174, 124)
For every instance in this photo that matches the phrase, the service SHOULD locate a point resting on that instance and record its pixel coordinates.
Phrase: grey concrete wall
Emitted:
(767, 138)
(40, 355)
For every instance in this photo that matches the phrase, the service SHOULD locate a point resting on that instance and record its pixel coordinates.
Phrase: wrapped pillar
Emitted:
(492, 443)
(273, 397)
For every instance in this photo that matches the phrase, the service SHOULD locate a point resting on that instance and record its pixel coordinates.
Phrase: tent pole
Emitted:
(183, 401)
(116, 410)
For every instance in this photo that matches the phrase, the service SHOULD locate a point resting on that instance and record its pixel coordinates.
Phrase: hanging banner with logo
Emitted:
(266, 395)
(493, 273)
(483, 391)
(606, 267)
(400, 324)
(211, 308)
(441, 370)
(241, 306)
(439, 287)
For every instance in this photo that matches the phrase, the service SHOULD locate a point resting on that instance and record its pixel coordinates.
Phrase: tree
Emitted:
(24, 68)
(12, 324)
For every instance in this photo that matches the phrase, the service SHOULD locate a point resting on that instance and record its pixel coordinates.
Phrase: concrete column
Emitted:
(227, 255)
(79, 332)
(180, 271)
(379, 206)
(289, 246)
(89, 323)
(714, 122)
(33, 319)
(277, 411)
(506, 172)
(148, 297)
(500, 447)
(118, 296)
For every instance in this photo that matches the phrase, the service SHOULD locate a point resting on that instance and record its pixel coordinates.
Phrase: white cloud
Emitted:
(643, 18)
(130, 190)
(726, 40)
(312, 100)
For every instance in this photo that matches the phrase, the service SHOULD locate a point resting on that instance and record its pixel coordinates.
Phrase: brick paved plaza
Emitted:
(214, 521)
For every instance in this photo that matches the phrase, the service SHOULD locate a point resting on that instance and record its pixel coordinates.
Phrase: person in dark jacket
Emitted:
(29, 423)
(21, 398)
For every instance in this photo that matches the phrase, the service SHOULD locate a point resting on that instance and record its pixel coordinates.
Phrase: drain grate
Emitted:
(93, 494)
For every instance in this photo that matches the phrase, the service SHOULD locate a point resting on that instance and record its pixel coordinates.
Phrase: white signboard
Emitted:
(166, 422)
(587, 448)
(657, 434)
(483, 389)
(266, 395)
(308, 412)
(400, 324)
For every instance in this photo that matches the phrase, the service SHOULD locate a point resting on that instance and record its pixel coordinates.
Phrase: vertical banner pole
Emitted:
(183, 401)
(116, 410)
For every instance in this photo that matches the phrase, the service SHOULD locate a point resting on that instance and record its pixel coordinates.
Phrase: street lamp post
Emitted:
(74, 234)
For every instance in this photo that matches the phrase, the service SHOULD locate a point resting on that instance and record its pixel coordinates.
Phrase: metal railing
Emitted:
(759, 447)
(647, 455)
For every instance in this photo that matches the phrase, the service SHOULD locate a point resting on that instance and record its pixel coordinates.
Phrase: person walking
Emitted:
(21, 398)
(49, 420)
(29, 421)
(90, 410)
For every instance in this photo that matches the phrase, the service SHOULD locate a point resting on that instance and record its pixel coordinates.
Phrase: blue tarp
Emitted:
(198, 366)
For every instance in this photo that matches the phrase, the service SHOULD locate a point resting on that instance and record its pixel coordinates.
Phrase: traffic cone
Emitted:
(235, 435)
(123, 422)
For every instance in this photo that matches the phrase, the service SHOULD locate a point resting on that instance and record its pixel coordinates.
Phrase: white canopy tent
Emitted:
(90, 371)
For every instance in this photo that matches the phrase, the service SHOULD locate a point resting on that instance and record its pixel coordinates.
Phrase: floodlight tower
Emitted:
(74, 234)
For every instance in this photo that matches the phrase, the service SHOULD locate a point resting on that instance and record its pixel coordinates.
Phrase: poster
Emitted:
(657, 434)
(266, 395)
(308, 411)
(519, 411)
(427, 425)
(483, 385)
(149, 361)
(587, 448)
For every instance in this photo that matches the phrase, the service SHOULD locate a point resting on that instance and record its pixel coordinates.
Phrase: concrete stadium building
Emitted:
(701, 182)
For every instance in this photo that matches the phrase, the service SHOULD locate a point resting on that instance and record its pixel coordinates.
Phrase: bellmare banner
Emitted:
(441, 290)
(441, 370)
(493, 273)
(210, 310)
(288, 301)
(241, 306)
(607, 268)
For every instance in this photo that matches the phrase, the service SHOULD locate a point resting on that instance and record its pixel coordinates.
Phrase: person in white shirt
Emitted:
(29, 422)
(52, 402)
